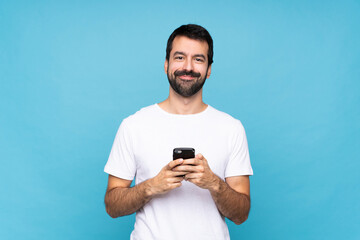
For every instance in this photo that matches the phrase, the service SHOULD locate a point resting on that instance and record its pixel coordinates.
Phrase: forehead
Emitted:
(189, 46)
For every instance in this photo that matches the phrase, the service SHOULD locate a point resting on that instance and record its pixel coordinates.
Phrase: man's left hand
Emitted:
(199, 172)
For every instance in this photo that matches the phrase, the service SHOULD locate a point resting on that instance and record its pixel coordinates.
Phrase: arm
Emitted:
(121, 199)
(232, 197)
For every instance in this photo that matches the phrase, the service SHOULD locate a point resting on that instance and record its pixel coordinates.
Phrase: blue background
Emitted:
(70, 71)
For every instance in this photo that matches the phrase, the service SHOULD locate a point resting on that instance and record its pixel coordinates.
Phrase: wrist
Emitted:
(216, 186)
(148, 192)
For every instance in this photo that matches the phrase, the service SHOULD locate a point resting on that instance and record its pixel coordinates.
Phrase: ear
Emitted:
(166, 65)
(208, 71)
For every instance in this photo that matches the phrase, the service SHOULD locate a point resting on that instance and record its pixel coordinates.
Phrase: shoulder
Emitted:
(224, 118)
(140, 116)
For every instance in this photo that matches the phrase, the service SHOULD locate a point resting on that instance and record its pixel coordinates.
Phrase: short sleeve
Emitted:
(239, 160)
(121, 162)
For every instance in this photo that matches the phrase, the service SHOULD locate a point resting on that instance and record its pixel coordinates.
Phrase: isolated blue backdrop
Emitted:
(70, 71)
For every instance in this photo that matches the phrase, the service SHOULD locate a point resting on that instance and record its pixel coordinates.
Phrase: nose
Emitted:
(188, 64)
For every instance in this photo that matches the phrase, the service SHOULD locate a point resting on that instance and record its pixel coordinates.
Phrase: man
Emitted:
(181, 199)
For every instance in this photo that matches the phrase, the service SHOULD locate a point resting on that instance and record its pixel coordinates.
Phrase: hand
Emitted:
(167, 179)
(199, 172)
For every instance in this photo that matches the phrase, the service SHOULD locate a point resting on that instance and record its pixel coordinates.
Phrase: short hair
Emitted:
(195, 32)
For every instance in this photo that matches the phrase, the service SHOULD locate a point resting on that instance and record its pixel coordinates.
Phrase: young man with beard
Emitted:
(181, 199)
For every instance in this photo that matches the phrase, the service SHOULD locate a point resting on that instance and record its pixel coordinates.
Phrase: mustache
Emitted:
(187, 73)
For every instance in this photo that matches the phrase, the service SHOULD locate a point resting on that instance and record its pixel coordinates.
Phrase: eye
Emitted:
(200, 60)
(179, 57)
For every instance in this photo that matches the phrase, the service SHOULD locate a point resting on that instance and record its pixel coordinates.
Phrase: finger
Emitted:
(177, 179)
(190, 176)
(192, 161)
(175, 185)
(176, 173)
(185, 168)
(174, 163)
(199, 156)
(171, 186)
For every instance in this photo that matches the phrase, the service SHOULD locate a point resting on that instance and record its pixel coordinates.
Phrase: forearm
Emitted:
(124, 201)
(231, 204)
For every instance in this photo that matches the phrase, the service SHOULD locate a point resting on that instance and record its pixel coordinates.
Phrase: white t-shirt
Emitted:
(144, 144)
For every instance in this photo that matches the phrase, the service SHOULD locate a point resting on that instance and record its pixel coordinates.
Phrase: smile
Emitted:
(186, 77)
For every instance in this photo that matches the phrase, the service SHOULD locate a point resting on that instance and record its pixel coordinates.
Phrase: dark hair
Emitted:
(195, 32)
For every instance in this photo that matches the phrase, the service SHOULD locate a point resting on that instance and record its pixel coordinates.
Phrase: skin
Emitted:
(232, 196)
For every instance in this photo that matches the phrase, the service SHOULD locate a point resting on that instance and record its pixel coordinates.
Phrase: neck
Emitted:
(177, 104)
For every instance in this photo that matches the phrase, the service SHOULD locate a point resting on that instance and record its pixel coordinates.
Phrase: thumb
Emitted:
(174, 163)
(200, 156)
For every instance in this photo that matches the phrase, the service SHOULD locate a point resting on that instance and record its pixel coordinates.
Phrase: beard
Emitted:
(186, 88)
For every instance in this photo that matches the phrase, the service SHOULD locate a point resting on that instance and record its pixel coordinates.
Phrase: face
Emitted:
(187, 68)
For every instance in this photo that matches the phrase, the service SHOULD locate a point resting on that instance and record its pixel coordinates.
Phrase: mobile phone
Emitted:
(184, 153)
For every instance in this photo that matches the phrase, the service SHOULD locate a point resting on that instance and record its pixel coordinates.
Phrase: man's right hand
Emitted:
(166, 180)
(121, 199)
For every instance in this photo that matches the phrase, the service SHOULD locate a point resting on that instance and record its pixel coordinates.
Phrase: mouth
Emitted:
(186, 78)
(186, 75)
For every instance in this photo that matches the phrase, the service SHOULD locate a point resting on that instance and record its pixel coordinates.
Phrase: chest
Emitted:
(154, 143)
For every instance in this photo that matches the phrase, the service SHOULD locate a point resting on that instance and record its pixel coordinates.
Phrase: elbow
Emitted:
(110, 213)
(109, 209)
(240, 220)
(113, 212)
(112, 216)
(243, 215)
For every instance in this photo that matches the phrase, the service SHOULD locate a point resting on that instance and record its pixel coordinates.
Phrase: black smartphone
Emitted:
(184, 153)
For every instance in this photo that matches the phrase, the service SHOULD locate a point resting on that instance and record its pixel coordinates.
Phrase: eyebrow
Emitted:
(200, 55)
(179, 53)
(196, 55)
